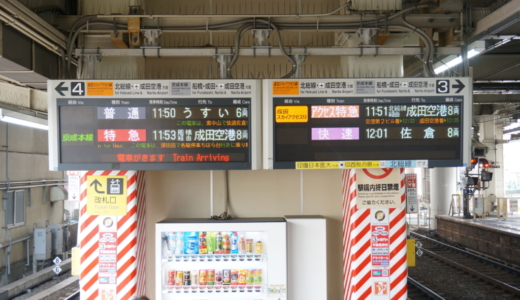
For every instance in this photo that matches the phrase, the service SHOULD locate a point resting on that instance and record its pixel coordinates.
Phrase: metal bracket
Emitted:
(44, 196)
(29, 196)
(223, 61)
(261, 35)
(150, 35)
(299, 58)
(367, 34)
(115, 28)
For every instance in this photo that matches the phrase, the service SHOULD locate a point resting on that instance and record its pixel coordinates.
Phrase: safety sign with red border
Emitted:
(378, 188)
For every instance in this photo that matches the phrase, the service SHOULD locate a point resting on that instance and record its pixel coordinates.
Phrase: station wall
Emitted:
(263, 193)
(27, 160)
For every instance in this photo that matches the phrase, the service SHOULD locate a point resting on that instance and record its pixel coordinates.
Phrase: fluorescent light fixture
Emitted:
(475, 49)
(455, 61)
(22, 119)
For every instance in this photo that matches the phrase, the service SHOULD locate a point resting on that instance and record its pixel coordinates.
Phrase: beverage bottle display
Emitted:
(203, 247)
(187, 278)
(211, 277)
(226, 277)
(234, 277)
(218, 277)
(250, 278)
(191, 242)
(249, 246)
(259, 247)
(210, 241)
(226, 244)
(203, 277)
(234, 242)
(218, 243)
(179, 245)
(242, 277)
(171, 278)
(195, 277)
(171, 241)
(258, 276)
(179, 278)
(241, 244)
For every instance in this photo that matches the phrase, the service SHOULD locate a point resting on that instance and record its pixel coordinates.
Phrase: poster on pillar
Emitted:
(378, 188)
(412, 206)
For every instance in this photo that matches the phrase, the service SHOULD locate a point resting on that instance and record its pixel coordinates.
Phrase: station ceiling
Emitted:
(320, 31)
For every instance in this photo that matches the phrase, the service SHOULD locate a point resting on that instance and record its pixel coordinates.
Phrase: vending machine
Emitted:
(203, 259)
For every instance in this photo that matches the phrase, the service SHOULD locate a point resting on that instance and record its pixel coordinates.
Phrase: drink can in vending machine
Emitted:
(171, 278)
(234, 242)
(226, 277)
(242, 275)
(179, 278)
(234, 277)
(258, 276)
(211, 277)
(218, 277)
(250, 278)
(218, 243)
(203, 277)
(203, 243)
(195, 277)
(187, 278)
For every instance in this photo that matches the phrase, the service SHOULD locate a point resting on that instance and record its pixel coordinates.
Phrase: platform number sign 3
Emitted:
(442, 87)
(78, 89)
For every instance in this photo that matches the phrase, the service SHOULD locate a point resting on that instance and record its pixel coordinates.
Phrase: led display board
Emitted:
(366, 123)
(154, 124)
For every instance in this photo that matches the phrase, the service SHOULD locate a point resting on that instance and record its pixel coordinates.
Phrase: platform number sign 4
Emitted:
(78, 89)
(442, 87)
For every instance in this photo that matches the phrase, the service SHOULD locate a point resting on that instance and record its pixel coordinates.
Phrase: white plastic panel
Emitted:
(307, 257)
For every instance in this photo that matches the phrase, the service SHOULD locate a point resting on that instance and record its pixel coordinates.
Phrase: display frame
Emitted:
(59, 90)
(294, 91)
(275, 260)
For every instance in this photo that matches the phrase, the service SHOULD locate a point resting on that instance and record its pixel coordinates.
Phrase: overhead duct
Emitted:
(58, 193)
(25, 61)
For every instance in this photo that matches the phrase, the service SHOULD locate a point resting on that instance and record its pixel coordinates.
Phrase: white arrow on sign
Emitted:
(57, 270)
(57, 261)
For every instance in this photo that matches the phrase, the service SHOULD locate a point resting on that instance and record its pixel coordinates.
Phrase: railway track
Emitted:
(501, 276)
(417, 291)
(73, 296)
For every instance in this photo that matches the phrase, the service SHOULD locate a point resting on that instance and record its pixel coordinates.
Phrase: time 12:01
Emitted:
(376, 133)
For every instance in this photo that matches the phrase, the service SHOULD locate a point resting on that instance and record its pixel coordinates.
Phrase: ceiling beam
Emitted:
(497, 21)
(329, 51)
(177, 22)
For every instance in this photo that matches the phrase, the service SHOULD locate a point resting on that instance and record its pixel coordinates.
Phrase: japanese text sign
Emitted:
(106, 195)
(378, 188)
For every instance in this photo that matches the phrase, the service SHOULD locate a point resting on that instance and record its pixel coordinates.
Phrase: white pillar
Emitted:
(443, 183)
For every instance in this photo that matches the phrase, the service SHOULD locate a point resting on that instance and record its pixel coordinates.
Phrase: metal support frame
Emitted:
(299, 58)
(367, 34)
(150, 36)
(223, 61)
(208, 52)
(44, 196)
(29, 196)
(261, 35)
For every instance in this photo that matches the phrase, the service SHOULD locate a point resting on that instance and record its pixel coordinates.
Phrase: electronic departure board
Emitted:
(154, 125)
(367, 123)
